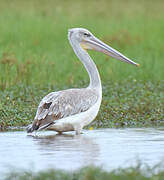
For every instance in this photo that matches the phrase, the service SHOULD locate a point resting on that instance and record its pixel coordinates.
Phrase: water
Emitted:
(110, 148)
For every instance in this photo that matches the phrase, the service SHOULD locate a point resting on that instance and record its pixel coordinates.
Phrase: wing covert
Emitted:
(65, 103)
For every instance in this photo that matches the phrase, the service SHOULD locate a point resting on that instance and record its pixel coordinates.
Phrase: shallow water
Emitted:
(111, 148)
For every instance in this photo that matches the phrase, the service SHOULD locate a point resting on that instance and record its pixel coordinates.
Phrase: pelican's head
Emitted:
(88, 41)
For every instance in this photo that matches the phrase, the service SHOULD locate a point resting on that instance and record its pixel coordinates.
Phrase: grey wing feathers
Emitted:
(66, 103)
(45, 104)
(61, 104)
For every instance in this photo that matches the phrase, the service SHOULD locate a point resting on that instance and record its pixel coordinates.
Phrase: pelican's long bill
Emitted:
(95, 44)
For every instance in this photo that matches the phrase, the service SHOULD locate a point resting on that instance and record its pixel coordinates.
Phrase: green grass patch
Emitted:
(89, 173)
(128, 103)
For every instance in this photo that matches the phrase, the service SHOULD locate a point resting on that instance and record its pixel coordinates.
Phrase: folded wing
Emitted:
(61, 104)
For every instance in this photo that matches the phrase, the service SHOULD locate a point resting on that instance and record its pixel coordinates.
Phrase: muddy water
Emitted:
(110, 148)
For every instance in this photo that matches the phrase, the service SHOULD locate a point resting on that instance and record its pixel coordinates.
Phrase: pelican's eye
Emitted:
(87, 34)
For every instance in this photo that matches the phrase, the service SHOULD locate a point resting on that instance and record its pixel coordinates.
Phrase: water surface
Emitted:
(110, 148)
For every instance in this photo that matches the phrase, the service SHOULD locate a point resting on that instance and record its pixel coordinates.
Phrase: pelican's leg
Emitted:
(60, 132)
(78, 131)
(78, 128)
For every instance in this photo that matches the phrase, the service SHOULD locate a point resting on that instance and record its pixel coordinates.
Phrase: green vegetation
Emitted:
(89, 173)
(36, 58)
(135, 104)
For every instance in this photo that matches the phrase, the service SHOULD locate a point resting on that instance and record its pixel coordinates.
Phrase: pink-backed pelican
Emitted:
(72, 109)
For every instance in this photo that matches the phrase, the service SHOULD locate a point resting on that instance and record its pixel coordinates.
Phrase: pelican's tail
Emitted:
(32, 127)
(36, 126)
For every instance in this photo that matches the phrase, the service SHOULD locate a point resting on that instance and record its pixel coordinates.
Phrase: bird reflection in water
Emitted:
(67, 151)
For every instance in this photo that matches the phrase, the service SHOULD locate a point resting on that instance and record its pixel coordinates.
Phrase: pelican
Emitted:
(72, 109)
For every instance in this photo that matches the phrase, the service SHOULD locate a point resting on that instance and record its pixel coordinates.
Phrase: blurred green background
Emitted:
(34, 48)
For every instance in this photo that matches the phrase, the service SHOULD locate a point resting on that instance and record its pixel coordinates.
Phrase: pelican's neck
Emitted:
(90, 66)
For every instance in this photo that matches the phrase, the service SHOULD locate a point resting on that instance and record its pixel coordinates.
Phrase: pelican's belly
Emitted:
(77, 121)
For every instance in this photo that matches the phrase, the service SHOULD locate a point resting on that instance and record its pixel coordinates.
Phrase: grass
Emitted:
(135, 104)
(36, 58)
(89, 173)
